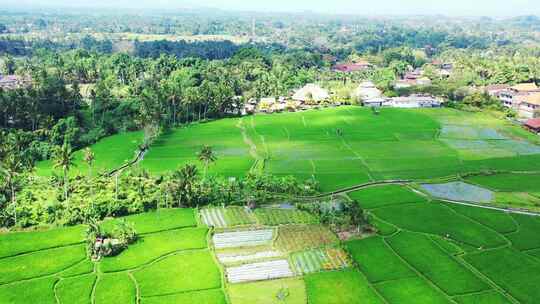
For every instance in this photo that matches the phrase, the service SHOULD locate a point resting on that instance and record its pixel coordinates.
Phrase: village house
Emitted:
(533, 125)
(495, 90)
(529, 105)
(311, 93)
(366, 91)
(411, 79)
(511, 97)
(361, 65)
(415, 101)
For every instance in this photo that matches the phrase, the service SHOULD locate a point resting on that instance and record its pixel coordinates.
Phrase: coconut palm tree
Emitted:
(207, 156)
(63, 159)
(89, 159)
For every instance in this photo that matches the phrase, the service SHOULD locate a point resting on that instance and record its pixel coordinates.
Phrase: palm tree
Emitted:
(89, 159)
(207, 156)
(63, 158)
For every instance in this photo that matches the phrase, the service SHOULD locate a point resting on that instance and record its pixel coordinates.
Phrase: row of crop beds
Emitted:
(220, 217)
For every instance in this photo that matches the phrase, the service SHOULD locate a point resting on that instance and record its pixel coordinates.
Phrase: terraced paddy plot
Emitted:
(160, 220)
(110, 153)
(276, 216)
(76, 290)
(233, 258)
(377, 260)
(490, 297)
(182, 272)
(153, 246)
(387, 195)
(430, 260)
(509, 182)
(527, 237)
(438, 219)
(317, 260)
(35, 291)
(22, 242)
(84, 267)
(296, 238)
(515, 272)
(242, 238)
(499, 221)
(115, 288)
(40, 263)
(411, 290)
(259, 271)
(180, 147)
(210, 296)
(340, 287)
(281, 291)
(459, 191)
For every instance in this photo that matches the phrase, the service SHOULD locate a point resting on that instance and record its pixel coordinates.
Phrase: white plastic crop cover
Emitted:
(225, 258)
(259, 271)
(242, 238)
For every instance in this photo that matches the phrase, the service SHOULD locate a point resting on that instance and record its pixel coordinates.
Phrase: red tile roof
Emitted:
(533, 123)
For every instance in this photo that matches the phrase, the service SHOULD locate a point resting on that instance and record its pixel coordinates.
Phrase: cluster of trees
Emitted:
(43, 201)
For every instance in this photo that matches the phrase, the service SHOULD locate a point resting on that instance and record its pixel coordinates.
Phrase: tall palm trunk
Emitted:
(66, 181)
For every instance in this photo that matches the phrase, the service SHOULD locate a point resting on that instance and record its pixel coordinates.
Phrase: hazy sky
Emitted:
(363, 7)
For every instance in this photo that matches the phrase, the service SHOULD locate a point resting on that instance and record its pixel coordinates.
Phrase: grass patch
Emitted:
(23, 242)
(377, 261)
(153, 246)
(160, 220)
(35, 291)
(267, 292)
(115, 288)
(76, 290)
(527, 237)
(296, 238)
(381, 196)
(490, 297)
(186, 271)
(438, 219)
(494, 219)
(40, 263)
(430, 260)
(515, 272)
(330, 287)
(211, 296)
(411, 290)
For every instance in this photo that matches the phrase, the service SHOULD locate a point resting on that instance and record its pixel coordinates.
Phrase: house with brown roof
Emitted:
(529, 105)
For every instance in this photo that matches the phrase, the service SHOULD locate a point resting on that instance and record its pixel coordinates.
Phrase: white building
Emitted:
(311, 92)
(367, 90)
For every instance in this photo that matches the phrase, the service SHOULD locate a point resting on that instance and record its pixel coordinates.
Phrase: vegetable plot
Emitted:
(228, 258)
(317, 260)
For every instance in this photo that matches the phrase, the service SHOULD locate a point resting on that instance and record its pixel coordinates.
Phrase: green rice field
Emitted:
(422, 250)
